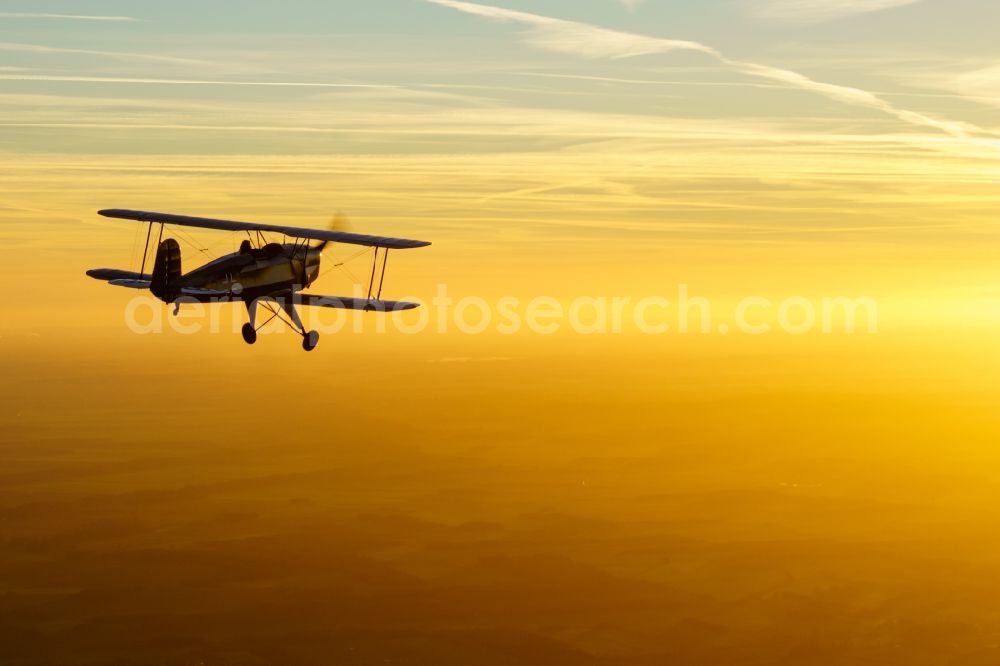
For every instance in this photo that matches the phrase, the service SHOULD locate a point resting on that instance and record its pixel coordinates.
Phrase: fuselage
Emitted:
(258, 271)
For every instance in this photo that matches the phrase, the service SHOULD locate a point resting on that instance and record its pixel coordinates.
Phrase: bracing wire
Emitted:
(276, 314)
(343, 266)
(187, 238)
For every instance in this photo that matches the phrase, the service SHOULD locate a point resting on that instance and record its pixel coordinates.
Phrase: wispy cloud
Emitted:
(70, 17)
(982, 84)
(991, 94)
(578, 39)
(651, 82)
(970, 78)
(632, 5)
(120, 55)
(185, 82)
(815, 11)
(584, 40)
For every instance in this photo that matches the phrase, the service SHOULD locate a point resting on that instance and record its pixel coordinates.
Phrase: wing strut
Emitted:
(145, 251)
(381, 280)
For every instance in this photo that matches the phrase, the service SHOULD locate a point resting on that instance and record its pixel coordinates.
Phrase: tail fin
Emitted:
(165, 284)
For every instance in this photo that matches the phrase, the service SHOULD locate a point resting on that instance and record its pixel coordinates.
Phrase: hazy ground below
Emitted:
(559, 502)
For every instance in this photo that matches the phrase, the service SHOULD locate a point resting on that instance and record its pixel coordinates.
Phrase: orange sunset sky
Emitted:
(439, 496)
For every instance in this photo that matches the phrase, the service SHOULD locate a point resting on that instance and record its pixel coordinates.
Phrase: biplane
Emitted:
(260, 272)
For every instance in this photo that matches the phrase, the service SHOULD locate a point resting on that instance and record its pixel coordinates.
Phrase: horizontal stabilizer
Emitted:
(131, 284)
(199, 291)
(195, 293)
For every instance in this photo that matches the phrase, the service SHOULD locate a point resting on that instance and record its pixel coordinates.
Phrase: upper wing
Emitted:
(297, 232)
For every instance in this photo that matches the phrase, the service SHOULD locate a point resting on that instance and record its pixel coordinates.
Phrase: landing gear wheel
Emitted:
(249, 334)
(310, 340)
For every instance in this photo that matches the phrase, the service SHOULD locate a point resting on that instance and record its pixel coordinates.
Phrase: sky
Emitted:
(712, 126)
(609, 495)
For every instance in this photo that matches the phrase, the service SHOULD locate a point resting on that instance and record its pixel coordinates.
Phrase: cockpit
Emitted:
(269, 251)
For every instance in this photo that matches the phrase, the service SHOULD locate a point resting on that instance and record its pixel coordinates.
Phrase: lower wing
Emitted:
(346, 303)
(133, 280)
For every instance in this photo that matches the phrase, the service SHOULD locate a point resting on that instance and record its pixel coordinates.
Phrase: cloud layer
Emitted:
(584, 40)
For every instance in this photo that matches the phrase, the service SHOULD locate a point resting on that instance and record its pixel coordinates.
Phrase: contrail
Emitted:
(589, 41)
(186, 82)
(71, 17)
